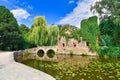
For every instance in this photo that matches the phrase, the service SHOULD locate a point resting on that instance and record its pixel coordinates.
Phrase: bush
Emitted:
(114, 52)
(103, 50)
(106, 40)
(111, 52)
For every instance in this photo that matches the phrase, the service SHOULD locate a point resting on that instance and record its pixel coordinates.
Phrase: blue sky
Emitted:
(55, 11)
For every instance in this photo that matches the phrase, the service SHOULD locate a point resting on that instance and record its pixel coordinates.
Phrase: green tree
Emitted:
(68, 31)
(107, 27)
(26, 36)
(90, 31)
(10, 37)
(110, 9)
(106, 32)
(106, 8)
(39, 34)
(53, 37)
(106, 40)
(76, 34)
(24, 29)
(116, 32)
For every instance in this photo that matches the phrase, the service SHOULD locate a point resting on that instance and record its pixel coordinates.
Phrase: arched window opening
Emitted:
(63, 44)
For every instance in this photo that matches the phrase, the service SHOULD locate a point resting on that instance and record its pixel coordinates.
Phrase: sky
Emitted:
(55, 11)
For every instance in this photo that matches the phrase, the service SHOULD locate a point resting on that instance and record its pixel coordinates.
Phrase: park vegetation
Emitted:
(103, 38)
(109, 27)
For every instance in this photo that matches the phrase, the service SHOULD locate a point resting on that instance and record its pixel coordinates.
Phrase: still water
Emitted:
(79, 68)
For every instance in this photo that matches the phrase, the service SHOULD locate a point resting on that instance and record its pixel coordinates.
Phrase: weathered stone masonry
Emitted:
(74, 47)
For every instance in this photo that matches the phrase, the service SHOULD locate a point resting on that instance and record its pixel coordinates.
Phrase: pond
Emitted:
(79, 68)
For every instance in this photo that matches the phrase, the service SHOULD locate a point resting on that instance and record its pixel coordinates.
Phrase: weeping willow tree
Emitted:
(53, 37)
(39, 35)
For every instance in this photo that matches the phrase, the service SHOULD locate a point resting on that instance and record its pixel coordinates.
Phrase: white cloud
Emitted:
(79, 13)
(71, 1)
(20, 13)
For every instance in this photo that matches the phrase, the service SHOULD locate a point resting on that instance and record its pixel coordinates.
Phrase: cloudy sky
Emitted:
(55, 11)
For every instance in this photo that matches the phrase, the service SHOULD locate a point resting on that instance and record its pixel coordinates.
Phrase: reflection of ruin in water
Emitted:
(76, 60)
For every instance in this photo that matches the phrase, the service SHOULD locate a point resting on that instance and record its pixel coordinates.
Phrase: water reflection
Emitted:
(74, 68)
(83, 61)
(67, 68)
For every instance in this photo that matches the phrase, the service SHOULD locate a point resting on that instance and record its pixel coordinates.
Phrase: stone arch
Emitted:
(50, 53)
(41, 53)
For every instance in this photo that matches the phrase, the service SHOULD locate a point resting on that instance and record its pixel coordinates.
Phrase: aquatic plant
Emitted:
(101, 69)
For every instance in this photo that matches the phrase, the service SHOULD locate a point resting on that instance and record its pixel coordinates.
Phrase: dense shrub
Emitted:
(109, 52)
(90, 31)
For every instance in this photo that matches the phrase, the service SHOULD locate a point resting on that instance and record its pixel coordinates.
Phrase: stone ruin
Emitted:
(73, 47)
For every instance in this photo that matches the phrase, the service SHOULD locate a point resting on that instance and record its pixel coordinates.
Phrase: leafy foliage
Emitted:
(10, 36)
(109, 12)
(53, 36)
(27, 43)
(110, 52)
(24, 29)
(90, 31)
(76, 34)
(69, 31)
(106, 40)
(64, 29)
(106, 27)
(41, 34)
(39, 31)
(116, 32)
(107, 8)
